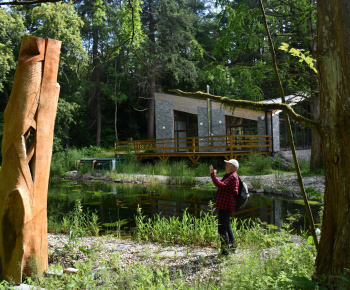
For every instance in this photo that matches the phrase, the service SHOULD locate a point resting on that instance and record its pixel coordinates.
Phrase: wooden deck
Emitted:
(227, 146)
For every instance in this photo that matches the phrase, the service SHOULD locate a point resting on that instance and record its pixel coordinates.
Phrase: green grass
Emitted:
(179, 171)
(267, 259)
(76, 223)
(186, 230)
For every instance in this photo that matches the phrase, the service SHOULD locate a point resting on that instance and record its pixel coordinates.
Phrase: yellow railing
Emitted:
(194, 147)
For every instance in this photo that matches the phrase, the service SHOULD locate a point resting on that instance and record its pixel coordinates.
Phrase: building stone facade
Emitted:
(166, 104)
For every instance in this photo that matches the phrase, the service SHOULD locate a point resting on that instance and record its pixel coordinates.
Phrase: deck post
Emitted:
(251, 144)
(231, 147)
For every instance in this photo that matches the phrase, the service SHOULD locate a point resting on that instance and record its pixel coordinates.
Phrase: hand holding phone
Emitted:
(211, 168)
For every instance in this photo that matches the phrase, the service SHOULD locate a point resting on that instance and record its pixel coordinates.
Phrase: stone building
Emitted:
(178, 117)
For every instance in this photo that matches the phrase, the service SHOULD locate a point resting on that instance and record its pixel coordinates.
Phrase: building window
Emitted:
(240, 126)
(302, 135)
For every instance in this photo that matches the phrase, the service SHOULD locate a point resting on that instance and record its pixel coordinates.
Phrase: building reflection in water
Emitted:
(270, 212)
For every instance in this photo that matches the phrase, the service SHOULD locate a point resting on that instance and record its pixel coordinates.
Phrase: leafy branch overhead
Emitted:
(299, 53)
(15, 2)
(250, 104)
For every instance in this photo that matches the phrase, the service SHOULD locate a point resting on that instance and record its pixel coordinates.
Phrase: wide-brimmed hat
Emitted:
(233, 161)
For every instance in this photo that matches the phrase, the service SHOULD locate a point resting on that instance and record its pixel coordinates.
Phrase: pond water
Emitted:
(115, 201)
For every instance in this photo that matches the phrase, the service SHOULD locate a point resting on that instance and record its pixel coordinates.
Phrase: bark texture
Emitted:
(334, 74)
(152, 72)
(26, 150)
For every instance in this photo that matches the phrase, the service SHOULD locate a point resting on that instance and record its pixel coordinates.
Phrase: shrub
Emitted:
(64, 161)
(256, 164)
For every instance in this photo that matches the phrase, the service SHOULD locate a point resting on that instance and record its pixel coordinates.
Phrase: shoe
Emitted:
(224, 252)
(232, 248)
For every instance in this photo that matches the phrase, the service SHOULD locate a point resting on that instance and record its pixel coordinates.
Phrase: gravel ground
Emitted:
(195, 263)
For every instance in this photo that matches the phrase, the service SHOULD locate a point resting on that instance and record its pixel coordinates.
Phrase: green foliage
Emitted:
(185, 230)
(299, 54)
(288, 267)
(11, 31)
(256, 164)
(77, 224)
(64, 161)
(61, 21)
(65, 118)
(180, 173)
(306, 170)
(202, 168)
(313, 193)
(118, 224)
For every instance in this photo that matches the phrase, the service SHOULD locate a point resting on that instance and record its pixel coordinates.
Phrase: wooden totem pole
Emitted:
(26, 156)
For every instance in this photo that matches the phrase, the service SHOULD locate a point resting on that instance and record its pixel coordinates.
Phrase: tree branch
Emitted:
(15, 2)
(250, 104)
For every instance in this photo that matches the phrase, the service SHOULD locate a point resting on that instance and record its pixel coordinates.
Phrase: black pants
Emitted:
(225, 230)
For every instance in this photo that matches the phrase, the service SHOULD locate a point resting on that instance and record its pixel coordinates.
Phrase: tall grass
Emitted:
(76, 223)
(189, 230)
(290, 266)
(186, 230)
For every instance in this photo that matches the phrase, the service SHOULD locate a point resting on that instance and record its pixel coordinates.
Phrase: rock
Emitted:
(200, 254)
(268, 190)
(277, 192)
(288, 193)
(309, 180)
(285, 165)
(27, 287)
(72, 173)
(54, 272)
(259, 190)
(116, 247)
(170, 254)
(70, 271)
(296, 195)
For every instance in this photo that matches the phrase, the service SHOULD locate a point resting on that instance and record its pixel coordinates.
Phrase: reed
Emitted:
(187, 230)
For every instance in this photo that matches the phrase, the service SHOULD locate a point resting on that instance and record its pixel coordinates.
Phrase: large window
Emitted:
(301, 134)
(240, 126)
(186, 125)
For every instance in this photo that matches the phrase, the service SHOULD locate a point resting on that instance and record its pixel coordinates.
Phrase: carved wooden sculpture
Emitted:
(26, 152)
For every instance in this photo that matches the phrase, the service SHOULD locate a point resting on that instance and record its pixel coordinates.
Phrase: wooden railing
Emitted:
(228, 146)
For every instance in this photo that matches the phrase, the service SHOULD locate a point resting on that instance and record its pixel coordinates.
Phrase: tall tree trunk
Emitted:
(96, 84)
(334, 77)
(115, 100)
(152, 72)
(316, 160)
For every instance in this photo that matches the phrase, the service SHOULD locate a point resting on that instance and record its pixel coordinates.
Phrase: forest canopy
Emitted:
(117, 54)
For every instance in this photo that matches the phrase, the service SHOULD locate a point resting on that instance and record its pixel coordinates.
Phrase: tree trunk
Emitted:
(316, 160)
(115, 101)
(96, 84)
(26, 150)
(334, 76)
(152, 73)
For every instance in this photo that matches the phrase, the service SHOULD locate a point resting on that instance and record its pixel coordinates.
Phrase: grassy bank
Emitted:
(179, 171)
(266, 258)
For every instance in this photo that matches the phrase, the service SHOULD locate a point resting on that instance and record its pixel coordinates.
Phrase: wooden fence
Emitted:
(227, 146)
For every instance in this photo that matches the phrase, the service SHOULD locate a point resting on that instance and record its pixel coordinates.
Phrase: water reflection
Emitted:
(115, 202)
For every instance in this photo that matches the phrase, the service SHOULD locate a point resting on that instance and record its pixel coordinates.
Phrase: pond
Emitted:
(119, 201)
